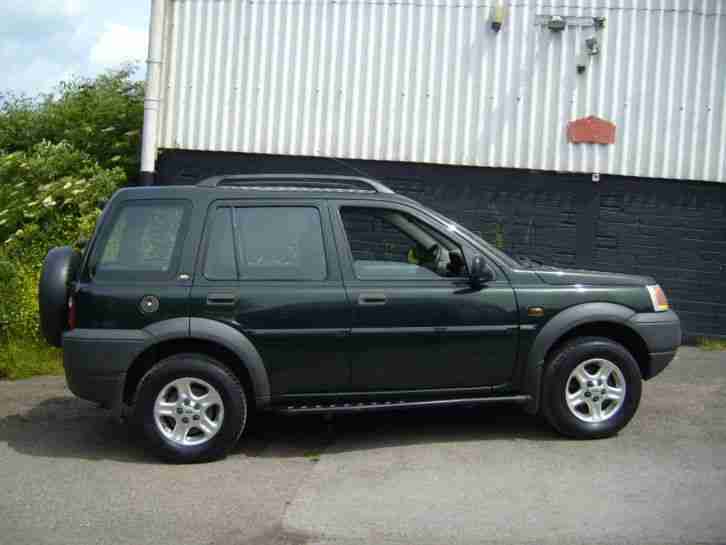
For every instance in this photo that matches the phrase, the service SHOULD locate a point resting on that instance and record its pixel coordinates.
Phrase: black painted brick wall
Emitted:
(672, 230)
(371, 238)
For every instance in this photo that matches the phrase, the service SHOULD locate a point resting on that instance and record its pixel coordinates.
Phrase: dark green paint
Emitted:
(445, 335)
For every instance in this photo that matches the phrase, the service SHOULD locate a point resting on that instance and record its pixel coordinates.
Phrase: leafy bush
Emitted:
(49, 197)
(100, 117)
(18, 300)
(712, 344)
(60, 155)
(24, 358)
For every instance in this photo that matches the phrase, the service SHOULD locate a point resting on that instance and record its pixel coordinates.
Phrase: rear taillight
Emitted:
(71, 314)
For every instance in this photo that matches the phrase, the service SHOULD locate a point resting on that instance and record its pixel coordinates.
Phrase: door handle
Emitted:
(372, 299)
(221, 300)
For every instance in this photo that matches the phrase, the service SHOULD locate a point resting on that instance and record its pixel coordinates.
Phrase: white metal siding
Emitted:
(429, 81)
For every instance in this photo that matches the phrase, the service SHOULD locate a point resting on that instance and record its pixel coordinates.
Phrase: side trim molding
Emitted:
(435, 330)
(397, 405)
(331, 332)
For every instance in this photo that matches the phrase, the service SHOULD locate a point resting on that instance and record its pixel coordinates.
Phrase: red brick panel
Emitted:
(591, 130)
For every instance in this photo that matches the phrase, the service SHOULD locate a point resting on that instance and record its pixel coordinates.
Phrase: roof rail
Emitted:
(283, 182)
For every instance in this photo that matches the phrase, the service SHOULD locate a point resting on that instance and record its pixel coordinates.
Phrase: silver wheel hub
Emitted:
(595, 390)
(188, 411)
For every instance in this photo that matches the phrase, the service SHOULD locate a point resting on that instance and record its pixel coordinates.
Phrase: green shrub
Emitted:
(60, 155)
(24, 358)
(101, 117)
(49, 197)
(18, 301)
(712, 344)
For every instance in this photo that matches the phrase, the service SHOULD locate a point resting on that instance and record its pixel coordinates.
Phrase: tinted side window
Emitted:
(142, 242)
(391, 245)
(280, 243)
(221, 263)
(372, 238)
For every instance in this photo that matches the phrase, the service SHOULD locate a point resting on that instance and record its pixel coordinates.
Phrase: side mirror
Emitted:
(480, 273)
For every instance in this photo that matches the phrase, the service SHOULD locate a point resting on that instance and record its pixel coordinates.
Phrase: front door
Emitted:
(270, 270)
(417, 322)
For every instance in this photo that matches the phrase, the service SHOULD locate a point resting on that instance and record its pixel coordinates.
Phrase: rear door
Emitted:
(270, 270)
(417, 321)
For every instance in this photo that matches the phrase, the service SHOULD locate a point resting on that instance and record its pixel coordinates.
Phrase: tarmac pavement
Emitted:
(71, 474)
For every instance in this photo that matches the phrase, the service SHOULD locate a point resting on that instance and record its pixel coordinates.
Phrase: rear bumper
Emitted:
(662, 334)
(96, 361)
(104, 389)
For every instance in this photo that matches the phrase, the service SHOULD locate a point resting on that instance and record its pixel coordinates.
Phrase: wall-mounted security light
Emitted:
(500, 12)
(592, 46)
(581, 63)
(557, 23)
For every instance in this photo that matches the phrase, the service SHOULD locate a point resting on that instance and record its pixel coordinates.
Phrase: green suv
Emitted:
(192, 307)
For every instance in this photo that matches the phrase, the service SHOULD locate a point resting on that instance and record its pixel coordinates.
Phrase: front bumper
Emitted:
(662, 334)
(96, 361)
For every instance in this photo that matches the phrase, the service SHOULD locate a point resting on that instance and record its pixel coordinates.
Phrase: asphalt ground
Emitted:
(71, 474)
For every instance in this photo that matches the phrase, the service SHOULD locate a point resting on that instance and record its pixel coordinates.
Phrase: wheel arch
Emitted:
(214, 339)
(590, 319)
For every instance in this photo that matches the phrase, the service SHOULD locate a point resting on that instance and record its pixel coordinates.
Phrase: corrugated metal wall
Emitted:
(429, 81)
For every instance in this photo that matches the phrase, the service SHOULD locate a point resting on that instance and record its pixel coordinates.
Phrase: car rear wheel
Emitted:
(592, 388)
(190, 408)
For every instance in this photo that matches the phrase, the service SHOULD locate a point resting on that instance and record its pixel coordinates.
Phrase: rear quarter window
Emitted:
(142, 241)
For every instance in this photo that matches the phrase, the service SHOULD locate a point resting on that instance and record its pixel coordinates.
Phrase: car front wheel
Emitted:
(592, 388)
(190, 408)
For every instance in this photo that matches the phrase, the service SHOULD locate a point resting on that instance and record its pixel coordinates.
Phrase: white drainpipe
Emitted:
(152, 100)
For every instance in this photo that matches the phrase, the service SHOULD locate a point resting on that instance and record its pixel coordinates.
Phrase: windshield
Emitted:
(456, 228)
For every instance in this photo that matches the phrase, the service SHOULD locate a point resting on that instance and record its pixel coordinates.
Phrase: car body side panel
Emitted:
(548, 334)
(113, 332)
(239, 344)
(532, 293)
(96, 360)
(298, 327)
(432, 333)
(443, 335)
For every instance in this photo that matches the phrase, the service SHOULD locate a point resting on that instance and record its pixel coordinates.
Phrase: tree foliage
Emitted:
(49, 197)
(60, 155)
(101, 117)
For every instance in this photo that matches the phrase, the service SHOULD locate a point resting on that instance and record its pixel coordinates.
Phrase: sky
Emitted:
(43, 42)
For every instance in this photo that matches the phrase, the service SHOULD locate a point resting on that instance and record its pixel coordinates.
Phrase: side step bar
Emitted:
(326, 408)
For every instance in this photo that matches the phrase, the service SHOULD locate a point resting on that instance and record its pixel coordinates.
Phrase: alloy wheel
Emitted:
(595, 390)
(189, 411)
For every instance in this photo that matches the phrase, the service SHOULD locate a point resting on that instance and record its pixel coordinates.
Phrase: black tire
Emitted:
(557, 373)
(59, 269)
(195, 366)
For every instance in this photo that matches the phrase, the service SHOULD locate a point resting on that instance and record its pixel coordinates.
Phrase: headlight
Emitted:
(658, 298)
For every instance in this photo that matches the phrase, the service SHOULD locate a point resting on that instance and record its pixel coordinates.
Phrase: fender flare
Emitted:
(553, 330)
(238, 343)
(218, 333)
